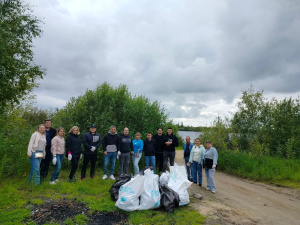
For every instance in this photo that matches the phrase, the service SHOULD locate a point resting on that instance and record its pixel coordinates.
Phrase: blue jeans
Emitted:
(135, 161)
(34, 177)
(59, 161)
(209, 173)
(150, 161)
(188, 168)
(196, 168)
(110, 157)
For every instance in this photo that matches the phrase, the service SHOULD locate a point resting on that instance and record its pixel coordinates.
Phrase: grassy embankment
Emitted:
(18, 198)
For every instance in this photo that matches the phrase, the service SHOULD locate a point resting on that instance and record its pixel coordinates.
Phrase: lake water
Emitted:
(193, 135)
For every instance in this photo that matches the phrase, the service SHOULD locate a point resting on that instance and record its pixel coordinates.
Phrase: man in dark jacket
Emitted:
(187, 147)
(159, 148)
(171, 142)
(110, 147)
(45, 163)
(149, 149)
(125, 148)
(91, 141)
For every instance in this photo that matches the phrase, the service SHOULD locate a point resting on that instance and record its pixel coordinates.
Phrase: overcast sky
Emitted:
(194, 56)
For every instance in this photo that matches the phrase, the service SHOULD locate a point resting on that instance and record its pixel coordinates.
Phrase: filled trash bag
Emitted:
(114, 190)
(164, 178)
(169, 198)
(150, 198)
(129, 194)
(179, 183)
(142, 172)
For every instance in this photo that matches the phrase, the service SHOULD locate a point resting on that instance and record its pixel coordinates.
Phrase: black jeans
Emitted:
(45, 164)
(166, 156)
(87, 158)
(74, 163)
(124, 160)
(159, 160)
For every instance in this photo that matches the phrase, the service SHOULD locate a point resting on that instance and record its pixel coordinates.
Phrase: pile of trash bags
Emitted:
(148, 191)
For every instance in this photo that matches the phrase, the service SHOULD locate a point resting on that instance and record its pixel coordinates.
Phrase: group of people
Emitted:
(46, 145)
(197, 157)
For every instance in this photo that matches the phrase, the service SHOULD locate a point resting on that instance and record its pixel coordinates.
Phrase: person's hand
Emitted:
(214, 167)
(54, 160)
(137, 155)
(119, 153)
(168, 143)
(105, 153)
(132, 152)
(189, 164)
(29, 156)
(80, 156)
(69, 157)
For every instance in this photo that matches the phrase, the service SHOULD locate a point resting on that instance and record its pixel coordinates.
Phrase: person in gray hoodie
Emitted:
(110, 147)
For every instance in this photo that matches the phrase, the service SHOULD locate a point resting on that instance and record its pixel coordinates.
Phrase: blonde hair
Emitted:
(138, 133)
(39, 128)
(73, 128)
(61, 128)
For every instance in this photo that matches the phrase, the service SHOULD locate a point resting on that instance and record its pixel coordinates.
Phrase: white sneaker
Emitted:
(104, 177)
(56, 181)
(213, 192)
(52, 182)
(112, 177)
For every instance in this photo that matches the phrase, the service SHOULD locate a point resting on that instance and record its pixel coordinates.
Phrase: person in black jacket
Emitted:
(50, 134)
(73, 149)
(110, 147)
(149, 149)
(91, 141)
(171, 142)
(159, 148)
(126, 149)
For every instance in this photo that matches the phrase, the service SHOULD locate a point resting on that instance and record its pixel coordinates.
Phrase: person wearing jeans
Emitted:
(91, 141)
(210, 163)
(149, 149)
(159, 147)
(58, 152)
(171, 142)
(110, 147)
(126, 148)
(187, 147)
(196, 159)
(138, 145)
(73, 147)
(36, 151)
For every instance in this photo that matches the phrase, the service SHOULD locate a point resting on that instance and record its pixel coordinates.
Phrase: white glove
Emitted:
(93, 148)
(54, 160)
(119, 153)
(80, 156)
(189, 164)
(69, 157)
(214, 167)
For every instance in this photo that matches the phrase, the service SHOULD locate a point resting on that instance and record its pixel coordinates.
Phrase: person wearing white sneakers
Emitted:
(210, 164)
(58, 151)
(110, 147)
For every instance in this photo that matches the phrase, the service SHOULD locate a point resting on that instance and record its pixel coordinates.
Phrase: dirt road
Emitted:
(240, 201)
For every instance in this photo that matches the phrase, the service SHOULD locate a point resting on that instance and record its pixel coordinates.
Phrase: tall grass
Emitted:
(264, 168)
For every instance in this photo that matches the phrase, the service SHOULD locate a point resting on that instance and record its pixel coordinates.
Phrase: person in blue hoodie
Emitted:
(138, 146)
(91, 142)
(187, 147)
(210, 164)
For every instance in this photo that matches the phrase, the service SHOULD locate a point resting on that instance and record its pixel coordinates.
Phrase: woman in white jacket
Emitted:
(196, 159)
(36, 151)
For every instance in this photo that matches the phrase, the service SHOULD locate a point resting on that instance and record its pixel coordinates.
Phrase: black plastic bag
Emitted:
(169, 198)
(142, 172)
(114, 190)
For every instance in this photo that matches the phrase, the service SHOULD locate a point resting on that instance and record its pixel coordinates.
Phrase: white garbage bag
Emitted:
(164, 178)
(129, 194)
(179, 183)
(150, 198)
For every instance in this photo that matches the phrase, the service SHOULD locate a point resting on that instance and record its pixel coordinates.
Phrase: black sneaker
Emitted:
(200, 185)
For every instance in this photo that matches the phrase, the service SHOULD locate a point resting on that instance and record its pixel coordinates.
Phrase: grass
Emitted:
(283, 172)
(18, 198)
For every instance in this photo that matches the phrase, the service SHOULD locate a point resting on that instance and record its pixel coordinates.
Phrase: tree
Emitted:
(18, 72)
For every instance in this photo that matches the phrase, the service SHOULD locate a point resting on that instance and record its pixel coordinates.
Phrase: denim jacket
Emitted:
(211, 154)
(190, 147)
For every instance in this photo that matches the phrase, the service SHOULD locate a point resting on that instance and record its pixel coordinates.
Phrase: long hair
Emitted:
(39, 128)
(73, 128)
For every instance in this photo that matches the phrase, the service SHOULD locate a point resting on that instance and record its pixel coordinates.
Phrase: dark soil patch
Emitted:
(58, 211)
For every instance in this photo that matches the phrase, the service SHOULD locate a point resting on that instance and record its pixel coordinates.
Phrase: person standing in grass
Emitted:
(149, 149)
(187, 147)
(58, 152)
(110, 148)
(126, 148)
(50, 134)
(210, 164)
(138, 145)
(171, 142)
(159, 148)
(195, 160)
(36, 152)
(73, 147)
(91, 141)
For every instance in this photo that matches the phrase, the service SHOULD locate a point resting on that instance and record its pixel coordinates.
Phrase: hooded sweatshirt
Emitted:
(173, 139)
(125, 143)
(149, 147)
(111, 142)
(90, 140)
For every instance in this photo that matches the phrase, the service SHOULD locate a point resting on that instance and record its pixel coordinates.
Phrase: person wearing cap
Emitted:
(91, 142)
(210, 164)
